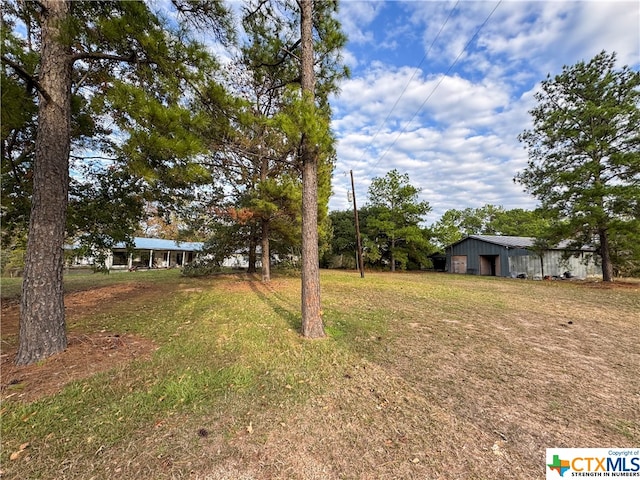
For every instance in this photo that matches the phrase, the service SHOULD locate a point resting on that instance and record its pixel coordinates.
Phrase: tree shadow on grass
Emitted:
(280, 305)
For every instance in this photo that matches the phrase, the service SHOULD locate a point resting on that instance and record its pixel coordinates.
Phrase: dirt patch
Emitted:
(86, 354)
(76, 303)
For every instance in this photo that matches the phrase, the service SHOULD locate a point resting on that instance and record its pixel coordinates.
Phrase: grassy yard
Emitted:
(425, 376)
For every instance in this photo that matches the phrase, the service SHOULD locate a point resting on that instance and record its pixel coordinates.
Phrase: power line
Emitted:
(383, 123)
(435, 87)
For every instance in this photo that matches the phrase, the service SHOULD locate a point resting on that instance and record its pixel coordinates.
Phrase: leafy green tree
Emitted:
(489, 220)
(94, 57)
(343, 242)
(259, 158)
(625, 249)
(343, 239)
(456, 224)
(521, 223)
(225, 240)
(584, 153)
(395, 217)
(18, 125)
(105, 208)
(14, 247)
(448, 228)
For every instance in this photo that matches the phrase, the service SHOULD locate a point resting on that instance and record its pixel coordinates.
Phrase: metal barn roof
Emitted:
(517, 242)
(506, 241)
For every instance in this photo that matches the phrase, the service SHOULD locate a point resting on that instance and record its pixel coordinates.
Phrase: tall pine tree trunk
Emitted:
(311, 315)
(266, 256)
(252, 248)
(42, 318)
(265, 225)
(605, 254)
(393, 256)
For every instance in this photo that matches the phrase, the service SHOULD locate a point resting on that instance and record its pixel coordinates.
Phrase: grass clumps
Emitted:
(420, 376)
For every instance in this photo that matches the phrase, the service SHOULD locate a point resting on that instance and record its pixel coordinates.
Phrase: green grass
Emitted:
(447, 359)
(214, 344)
(73, 282)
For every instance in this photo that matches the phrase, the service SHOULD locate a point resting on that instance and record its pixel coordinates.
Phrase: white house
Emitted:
(147, 253)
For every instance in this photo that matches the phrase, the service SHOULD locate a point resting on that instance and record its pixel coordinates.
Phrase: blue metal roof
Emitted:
(142, 243)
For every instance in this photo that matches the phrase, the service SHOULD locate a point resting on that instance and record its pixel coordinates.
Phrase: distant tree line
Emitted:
(413, 249)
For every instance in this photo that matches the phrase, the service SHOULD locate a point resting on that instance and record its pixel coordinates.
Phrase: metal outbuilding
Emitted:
(508, 256)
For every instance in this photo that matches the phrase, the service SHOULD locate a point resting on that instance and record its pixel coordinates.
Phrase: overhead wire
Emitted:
(383, 123)
(479, 29)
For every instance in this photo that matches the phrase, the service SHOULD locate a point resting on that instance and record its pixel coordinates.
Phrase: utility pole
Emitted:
(358, 242)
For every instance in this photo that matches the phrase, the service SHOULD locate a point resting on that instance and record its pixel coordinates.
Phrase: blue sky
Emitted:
(441, 89)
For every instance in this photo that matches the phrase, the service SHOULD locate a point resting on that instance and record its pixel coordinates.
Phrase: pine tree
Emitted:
(396, 214)
(584, 153)
(123, 56)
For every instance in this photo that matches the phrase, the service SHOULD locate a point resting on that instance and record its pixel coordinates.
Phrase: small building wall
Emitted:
(237, 260)
(555, 265)
(477, 257)
(123, 259)
(139, 258)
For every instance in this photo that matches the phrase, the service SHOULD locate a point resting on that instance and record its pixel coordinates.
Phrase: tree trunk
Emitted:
(252, 249)
(605, 254)
(311, 318)
(311, 315)
(265, 224)
(393, 257)
(42, 317)
(266, 257)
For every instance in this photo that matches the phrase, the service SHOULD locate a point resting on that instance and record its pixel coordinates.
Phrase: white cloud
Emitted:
(448, 152)
(356, 16)
(453, 127)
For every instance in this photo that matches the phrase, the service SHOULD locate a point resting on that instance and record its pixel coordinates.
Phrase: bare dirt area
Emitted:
(86, 354)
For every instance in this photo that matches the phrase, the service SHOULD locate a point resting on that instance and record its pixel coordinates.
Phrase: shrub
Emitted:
(201, 267)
